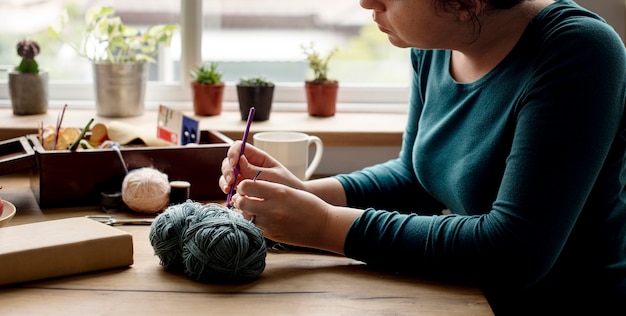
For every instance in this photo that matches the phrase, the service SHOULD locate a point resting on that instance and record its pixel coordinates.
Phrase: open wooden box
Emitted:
(62, 178)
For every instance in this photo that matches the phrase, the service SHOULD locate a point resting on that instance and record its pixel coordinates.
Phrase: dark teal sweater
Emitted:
(530, 161)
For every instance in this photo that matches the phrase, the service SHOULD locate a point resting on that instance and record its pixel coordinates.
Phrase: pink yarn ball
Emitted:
(146, 190)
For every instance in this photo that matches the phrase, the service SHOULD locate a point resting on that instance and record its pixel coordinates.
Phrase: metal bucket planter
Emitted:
(120, 88)
(29, 92)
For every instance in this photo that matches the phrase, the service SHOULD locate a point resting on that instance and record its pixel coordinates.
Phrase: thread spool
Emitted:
(110, 201)
(179, 191)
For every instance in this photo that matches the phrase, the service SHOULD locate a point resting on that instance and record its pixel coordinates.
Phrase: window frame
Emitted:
(288, 96)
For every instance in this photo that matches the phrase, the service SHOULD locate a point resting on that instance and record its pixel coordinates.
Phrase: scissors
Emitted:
(112, 221)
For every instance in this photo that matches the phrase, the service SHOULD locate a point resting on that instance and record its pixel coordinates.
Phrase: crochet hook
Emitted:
(243, 147)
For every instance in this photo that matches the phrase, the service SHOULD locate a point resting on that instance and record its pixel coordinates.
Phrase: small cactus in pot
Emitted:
(28, 85)
(28, 49)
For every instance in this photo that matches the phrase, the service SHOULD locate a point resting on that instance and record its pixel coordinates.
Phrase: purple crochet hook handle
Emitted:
(244, 140)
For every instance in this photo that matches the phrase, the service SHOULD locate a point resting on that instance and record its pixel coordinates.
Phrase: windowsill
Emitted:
(343, 129)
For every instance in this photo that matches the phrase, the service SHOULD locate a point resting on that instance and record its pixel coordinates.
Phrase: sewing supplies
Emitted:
(256, 176)
(111, 201)
(58, 138)
(208, 242)
(179, 191)
(57, 129)
(84, 144)
(116, 147)
(243, 147)
(81, 135)
(146, 190)
(112, 221)
(253, 217)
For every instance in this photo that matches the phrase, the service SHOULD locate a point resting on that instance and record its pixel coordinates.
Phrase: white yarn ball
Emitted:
(146, 190)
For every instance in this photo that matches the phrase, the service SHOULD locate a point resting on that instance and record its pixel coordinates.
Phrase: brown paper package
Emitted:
(62, 247)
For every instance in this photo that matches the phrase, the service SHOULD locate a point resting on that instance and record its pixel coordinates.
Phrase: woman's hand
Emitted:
(253, 161)
(294, 216)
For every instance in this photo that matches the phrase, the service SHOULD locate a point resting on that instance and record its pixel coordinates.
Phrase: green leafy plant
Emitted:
(207, 74)
(255, 81)
(318, 62)
(28, 49)
(106, 39)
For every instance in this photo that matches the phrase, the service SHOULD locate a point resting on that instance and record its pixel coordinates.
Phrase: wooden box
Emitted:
(62, 178)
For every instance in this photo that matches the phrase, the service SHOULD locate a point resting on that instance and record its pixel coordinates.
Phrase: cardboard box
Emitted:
(62, 247)
(175, 127)
(61, 178)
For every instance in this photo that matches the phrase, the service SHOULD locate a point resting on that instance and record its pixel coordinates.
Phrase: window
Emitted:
(245, 37)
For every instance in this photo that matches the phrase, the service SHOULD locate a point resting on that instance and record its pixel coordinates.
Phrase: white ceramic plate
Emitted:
(8, 213)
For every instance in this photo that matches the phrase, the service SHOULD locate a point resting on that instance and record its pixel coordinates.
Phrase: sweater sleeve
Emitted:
(565, 126)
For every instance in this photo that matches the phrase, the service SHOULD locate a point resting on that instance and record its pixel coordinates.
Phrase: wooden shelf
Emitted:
(343, 129)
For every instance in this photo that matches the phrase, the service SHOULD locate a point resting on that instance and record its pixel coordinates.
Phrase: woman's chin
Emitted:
(397, 42)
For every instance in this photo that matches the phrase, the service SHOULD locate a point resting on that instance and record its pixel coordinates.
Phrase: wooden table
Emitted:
(293, 283)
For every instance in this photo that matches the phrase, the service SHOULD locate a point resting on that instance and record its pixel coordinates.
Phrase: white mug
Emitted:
(292, 150)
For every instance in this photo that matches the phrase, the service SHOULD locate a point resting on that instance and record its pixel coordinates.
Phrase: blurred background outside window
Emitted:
(245, 38)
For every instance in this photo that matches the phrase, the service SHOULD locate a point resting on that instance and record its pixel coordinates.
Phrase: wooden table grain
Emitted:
(293, 283)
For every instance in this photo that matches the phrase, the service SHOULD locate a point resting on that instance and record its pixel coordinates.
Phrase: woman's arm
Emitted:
(328, 189)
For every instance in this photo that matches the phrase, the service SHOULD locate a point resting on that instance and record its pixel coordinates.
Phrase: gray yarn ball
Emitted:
(166, 234)
(209, 243)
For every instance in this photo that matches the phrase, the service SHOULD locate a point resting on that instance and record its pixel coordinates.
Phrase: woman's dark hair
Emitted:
(504, 4)
(468, 6)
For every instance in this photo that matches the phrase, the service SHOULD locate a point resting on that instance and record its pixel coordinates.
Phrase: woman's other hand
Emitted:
(294, 216)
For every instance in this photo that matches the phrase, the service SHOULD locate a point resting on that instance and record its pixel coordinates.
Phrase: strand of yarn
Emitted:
(146, 190)
(209, 243)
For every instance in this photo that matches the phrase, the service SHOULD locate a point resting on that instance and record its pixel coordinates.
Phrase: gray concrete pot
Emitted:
(120, 88)
(29, 92)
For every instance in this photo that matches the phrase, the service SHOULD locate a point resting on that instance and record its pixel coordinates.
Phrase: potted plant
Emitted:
(321, 92)
(119, 54)
(208, 90)
(256, 92)
(28, 85)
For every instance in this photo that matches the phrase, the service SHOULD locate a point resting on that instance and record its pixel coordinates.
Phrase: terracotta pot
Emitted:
(321, 98)
(258, 96)
(207, 98)
(29, 92)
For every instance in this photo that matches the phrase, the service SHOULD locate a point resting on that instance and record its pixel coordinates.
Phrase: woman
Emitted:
(516, 126)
